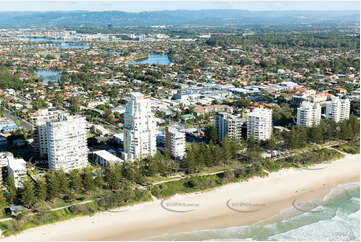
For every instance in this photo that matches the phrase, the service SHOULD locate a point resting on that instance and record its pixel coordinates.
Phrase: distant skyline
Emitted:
(139, 6)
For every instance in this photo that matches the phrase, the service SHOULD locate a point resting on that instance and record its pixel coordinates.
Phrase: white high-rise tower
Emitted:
(259, 124)
(139, 128)
(67, 143)
(338, 109)
(309, 114)
(39, 120)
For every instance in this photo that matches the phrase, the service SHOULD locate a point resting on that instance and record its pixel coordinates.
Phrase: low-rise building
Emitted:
(212, 108)
(17, 167)
(105, 158)
(118, 138)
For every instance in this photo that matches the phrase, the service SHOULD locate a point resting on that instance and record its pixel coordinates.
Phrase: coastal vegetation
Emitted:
(40, 216)
(352, 147)
(302, 160)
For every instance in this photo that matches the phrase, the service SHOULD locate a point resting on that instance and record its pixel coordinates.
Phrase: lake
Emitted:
(49, 76)
(67, 46)
(154, 59)
(111, 53)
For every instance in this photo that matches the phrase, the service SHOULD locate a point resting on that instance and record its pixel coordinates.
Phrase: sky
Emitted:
(138, 6)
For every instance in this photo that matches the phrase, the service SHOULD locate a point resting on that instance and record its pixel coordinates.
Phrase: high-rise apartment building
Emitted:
(39, 119)
(338, 109)
(175, 141)
(139, 128)
(67, 143)
(309, 114)
(228, 125)
(259, 124)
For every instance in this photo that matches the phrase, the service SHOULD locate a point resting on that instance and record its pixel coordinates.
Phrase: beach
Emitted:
(234, 204)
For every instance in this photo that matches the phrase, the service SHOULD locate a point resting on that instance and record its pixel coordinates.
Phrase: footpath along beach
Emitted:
(231, 205)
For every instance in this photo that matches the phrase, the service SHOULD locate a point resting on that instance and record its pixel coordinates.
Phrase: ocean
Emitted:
(334, 217)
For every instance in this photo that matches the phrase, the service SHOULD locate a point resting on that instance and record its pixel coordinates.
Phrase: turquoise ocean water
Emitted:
(335, 217)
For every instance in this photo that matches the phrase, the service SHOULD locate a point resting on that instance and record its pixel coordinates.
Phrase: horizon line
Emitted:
(209, 9)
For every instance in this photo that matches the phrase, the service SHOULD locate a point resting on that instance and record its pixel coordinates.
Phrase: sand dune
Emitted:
(231, 205)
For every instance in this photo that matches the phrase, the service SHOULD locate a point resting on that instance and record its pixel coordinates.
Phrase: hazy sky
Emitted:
(137, 6)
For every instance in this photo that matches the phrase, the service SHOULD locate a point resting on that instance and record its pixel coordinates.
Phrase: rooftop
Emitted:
(107, 155)
(17, 164)
(137, 95)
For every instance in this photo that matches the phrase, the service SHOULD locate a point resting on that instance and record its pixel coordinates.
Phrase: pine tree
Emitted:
(53, 186)
(199, 159)
(63, 182)
(235, 147)
(207, 155)
(253, 150)
(331, 130)
(211, 152)
(40, 190)
(355, 125)
(323, 130)
(112, 179)
(218, 155)
(128, 170)
(153, 165)
(301, 137)
(316, 134)
(27, 194)
(167, 154)
(75, 181)
(227, 150)
(10, 184)
(251, 143)
(190, 162)
(88, 181)
(99, 181)
(211, 134)
(271, 143)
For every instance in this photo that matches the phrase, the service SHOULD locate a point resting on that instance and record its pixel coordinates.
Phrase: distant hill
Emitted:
(175, 18)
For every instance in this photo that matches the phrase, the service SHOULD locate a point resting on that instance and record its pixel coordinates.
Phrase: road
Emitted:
(23, 123)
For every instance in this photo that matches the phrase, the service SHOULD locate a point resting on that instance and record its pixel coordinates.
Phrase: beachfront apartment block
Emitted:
(139, 128)
(9, 164)
(338, 109)
(39, 119)
(309, 114)
(17, 167)
(228, 125)
(67, 143)
(175, 141)
(259, 124)
(104, 158)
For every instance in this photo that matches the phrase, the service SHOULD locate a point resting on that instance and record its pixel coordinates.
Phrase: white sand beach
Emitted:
(231, 205)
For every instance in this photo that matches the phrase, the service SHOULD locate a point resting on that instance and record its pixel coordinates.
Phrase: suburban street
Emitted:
(23, 123)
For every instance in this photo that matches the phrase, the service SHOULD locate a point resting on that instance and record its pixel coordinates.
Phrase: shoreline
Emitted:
(252, 201)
